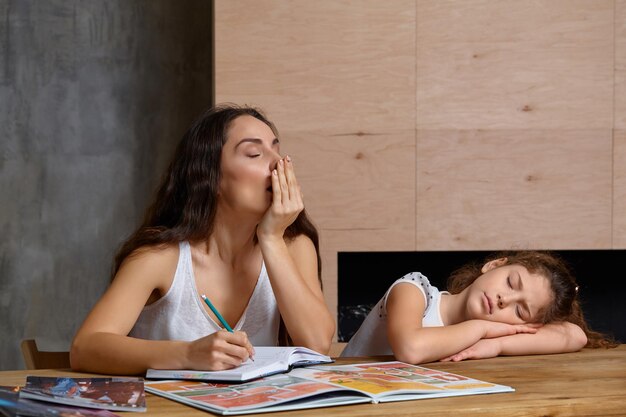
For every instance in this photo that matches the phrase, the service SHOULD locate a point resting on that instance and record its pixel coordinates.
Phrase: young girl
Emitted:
(517, 303)
(228, 222)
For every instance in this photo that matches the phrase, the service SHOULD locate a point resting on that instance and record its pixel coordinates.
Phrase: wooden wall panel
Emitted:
(356, 182)
(359, 191)
(619, 151)
(513, 104)
(338, 79)
(620, 64)
(619, 190)
(514, 64)
(344, 66)
(514, 189)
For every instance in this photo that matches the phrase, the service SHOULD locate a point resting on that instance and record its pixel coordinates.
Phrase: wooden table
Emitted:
(587, 383)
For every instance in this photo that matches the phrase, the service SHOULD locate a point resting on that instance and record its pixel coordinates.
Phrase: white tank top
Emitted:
(371, 338)
(180, 314)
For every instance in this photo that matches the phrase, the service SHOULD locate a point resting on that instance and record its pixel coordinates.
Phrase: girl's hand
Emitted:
(497, 329)
(483, 349)
(287, 201)
(218, 351)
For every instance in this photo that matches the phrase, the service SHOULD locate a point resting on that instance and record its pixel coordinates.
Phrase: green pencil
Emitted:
(219, 317)
(217, 313)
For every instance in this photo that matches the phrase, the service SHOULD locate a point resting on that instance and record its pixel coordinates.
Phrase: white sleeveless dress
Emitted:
(371, 338)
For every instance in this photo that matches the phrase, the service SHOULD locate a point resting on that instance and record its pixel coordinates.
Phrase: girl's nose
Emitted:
(502, 301)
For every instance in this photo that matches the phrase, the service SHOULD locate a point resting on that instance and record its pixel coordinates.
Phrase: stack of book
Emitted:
(59, 396)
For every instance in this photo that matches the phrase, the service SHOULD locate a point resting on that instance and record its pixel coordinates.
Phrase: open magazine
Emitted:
(267, 361)
(119, 394)
(324, 386)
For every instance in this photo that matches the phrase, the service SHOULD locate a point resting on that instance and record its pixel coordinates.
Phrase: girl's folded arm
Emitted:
(556, 337)
(412, 343)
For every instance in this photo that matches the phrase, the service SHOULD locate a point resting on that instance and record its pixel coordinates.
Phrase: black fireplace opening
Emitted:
(363, 277)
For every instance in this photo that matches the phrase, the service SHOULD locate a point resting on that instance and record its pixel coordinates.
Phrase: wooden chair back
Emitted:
(336, 348)
(38, 359)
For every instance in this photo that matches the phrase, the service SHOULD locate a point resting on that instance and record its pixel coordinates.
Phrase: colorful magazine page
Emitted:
(274, 393)
(12, 405)
(398, 381)
(120, 394)
(324, 386)
(268, 360)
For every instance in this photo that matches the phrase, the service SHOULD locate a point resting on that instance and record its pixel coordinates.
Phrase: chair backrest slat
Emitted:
(37, 359)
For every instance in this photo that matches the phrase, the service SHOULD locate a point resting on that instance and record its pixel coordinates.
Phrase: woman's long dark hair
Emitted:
(564, 306)
(186, 201)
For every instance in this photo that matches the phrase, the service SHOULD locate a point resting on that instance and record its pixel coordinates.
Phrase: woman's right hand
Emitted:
(287, 201)
(218, 351)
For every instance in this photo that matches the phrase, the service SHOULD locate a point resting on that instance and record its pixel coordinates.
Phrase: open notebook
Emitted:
(267, 361)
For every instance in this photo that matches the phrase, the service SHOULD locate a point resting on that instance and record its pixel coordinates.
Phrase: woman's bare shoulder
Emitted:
(156, 261)
(300, 243)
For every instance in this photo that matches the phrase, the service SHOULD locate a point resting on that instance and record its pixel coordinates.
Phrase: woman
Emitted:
(228, 222)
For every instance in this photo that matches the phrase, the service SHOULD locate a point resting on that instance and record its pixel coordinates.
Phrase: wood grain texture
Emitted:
(620, 64)
(339, 82)
(514, 105)
(586, 383)
(354, 182)
(319, 64)
(514, 189)
(619, 189)
(619, 138)
(359, 190)
(514, 65)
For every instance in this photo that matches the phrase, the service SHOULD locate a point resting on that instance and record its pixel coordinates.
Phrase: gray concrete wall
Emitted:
(94, 95)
